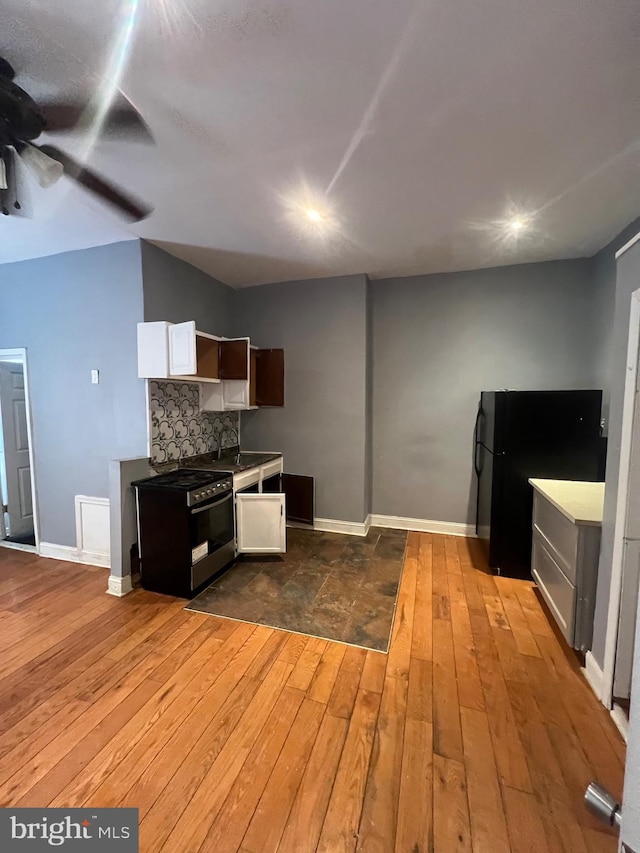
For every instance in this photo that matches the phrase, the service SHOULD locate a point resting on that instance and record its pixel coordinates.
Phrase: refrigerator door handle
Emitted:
(477, 443)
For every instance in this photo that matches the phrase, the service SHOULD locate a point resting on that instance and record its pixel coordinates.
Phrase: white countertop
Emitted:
(580, 502)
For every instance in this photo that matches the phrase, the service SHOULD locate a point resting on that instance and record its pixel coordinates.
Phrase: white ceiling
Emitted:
(428, 119)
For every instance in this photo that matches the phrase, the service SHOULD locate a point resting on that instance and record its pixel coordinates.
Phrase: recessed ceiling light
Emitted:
(310, 212)
(516, 225)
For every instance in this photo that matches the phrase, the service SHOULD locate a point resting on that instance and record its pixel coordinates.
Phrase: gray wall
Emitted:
(74, 312)
(627, 280)
(439, 340)
(368, 449)
(177, 292)
(321, 325)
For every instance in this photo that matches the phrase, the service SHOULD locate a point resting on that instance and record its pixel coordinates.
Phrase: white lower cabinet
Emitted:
(261, 523)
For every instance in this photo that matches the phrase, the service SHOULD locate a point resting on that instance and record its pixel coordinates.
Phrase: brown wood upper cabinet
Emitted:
(233, 359)
(231, 373)
(268, 377)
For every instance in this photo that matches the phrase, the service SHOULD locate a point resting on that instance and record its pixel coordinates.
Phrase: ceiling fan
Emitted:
(21, 123)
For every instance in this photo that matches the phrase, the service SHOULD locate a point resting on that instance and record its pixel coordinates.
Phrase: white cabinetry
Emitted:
(260, 516)
(177, 351)
(261, 524)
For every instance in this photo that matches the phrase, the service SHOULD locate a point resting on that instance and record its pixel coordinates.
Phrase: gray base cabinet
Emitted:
(564, 565)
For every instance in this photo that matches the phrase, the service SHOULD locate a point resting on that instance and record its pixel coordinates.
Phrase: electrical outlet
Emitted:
(95, 377)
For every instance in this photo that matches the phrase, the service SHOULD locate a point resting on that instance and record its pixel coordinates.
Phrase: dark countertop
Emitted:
(210, 462)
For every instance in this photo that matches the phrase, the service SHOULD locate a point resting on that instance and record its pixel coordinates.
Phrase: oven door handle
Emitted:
(199, 509)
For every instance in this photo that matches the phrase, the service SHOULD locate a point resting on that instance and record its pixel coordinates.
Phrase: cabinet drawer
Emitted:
(561, 533)
(246, 478)
(271, 468)
(556, 589)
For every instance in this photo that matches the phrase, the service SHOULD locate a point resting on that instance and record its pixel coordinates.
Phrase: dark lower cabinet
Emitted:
(299, 492)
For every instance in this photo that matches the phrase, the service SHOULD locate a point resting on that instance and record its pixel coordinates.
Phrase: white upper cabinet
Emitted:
(182, 349)
(177, 351)
(153, 350)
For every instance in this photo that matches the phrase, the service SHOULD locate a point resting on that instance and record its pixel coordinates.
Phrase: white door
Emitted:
(14, 464)
(261, 524)
(182, 349)
(630, 829)
(630, 562)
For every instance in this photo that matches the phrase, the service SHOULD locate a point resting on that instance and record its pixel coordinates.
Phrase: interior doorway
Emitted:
(18, 517)
(625, 575)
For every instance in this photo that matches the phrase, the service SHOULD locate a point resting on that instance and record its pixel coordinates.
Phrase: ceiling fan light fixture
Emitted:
(45, 169)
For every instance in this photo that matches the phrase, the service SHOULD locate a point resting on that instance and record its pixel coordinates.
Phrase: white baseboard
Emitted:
(119, 586)
(72, 555)
(397, 522)
(594, 674)
(334, 525)
(59, 552)
(621, 721)
(423, 525)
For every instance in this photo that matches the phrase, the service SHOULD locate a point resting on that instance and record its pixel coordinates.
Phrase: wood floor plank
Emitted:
(227, 831)
(414, 830)
(32, 737)
(206, 690)
(422, 636)
(486, 809)
(340, 827)
(420, 695)
(468, 677)
(439, 582)
(447, 734)
(346, 684)
(380, 808)
(557, 812)
(326, 673)
(510, 755)
(451, 830)
(525, 826)
(522, 634)
(270, 817)
(75, 770)
(195, 797)
(452, 556)
(401, 636)
(374, 672)
(306, 817)
(538, 622)
(304, 670)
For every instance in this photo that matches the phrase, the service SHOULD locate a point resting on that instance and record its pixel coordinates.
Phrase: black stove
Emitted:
(198, 485)
(186, 529)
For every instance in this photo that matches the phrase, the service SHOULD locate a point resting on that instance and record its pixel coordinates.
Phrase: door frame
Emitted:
(620, 523)
(18, 355)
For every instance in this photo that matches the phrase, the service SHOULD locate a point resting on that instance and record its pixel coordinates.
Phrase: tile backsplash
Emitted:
(179, 428)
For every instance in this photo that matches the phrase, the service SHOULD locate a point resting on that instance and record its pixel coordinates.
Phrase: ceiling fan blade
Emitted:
(121, 119)
(6, 69)
(126, 204)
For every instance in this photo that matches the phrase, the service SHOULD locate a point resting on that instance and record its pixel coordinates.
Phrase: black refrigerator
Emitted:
(522, 434)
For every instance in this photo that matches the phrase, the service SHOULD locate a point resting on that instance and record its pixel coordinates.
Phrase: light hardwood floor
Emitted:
(476, 733)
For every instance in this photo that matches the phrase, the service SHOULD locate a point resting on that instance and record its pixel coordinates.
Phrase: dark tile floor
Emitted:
(326, 585)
